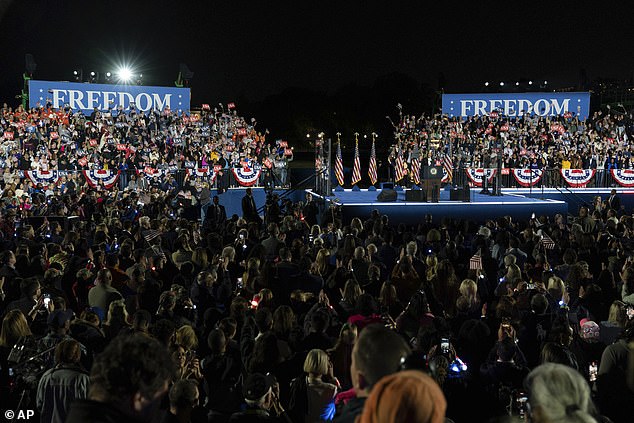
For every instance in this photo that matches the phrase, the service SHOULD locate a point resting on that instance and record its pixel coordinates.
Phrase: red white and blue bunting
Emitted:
(577, 178)
(247, 176)
(445, 176)
(151, 173)
(42, 176)
(623, 177)
(203, 172)
(528, 177)
(475, 175)
(101, 177)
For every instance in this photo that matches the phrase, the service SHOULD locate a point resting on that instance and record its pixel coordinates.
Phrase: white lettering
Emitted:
(107, 100)
(123, 96)
(148, 102)
(74, 100)
(160, 105)
(525, 107)
(465, 107)
(496, 104)
(480, 107)
(541, 107)
(559, 109)
(509, 107)
(93, 99)
(58, 100)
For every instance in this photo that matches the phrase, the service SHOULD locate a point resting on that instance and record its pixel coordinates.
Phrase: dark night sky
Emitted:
(256, 48)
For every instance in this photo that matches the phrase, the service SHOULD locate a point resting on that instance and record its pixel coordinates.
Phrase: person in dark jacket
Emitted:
(128, 382)
(366, 368)
(261, 394)
(63, 383)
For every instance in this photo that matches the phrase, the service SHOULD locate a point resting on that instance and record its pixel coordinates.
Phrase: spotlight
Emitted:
(78, 75)
(486, 84)
(501, 83)
(517, 84)
(94, 76)
(125, 74)
(530, 82)
(545, 82)
(108, 76)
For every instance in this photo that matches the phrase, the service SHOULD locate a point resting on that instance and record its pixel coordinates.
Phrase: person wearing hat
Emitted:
(586, 346)
(261, 394)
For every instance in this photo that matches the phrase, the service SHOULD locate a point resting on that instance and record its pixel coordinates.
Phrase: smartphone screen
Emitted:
(593, 369)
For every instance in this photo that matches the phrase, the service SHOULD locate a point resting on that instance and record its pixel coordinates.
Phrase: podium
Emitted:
(431, 190)
(431, 177)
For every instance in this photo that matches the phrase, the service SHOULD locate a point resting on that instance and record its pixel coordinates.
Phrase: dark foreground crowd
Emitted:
(131, 314)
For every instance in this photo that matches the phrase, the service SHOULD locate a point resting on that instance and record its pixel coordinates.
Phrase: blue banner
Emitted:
(517, 104)
(87, 97)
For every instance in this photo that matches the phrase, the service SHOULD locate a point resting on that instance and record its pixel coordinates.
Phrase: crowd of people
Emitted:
(45, 139)
(601, 142)
(118, 305)
(122, 311)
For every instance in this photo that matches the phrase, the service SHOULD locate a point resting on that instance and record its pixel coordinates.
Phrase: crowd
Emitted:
(123, 311)
(126, 307)
(45, 139)
(601, 142)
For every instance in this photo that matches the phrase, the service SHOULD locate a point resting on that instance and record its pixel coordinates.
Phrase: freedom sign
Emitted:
(87, 97)
(517, 104)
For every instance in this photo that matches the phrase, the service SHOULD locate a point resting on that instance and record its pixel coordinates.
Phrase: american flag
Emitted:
(339, 165)
(400, 166)
(372, 168)
(356, 171)
(416, 170)
(447, 164)
(547, 242)
(475, 262)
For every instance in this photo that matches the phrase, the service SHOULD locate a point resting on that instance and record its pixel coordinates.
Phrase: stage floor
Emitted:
(517, 202)
(481, 207)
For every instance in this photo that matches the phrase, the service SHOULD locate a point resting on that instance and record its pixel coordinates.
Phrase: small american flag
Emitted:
(400, 166)
(447, 164)
(547, 242)
(475, 262)
(339, 165)
(372, 168)
(416, 170)
(356, 171)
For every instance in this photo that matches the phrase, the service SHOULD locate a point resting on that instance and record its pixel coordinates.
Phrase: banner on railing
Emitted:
(150, 172)
(476, 175)
(577, 178)
(87, 97)
(623, 177)
(104, 177)
(247, 176)
(517, 104)
(527, 177)
(42, 176)
(203, 172)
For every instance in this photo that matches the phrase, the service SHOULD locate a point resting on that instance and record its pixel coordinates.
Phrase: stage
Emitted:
(519, 203)
(360, 203)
